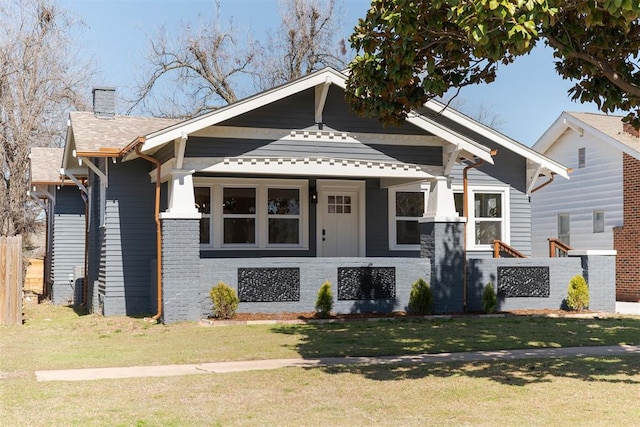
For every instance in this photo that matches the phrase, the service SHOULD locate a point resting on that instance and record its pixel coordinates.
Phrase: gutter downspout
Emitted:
(544, 184)
(85, 283)
(156, 215)
(465, 213)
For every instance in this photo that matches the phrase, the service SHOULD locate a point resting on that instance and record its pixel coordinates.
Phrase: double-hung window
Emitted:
(406, 207)
(241, 213)
(487, 216)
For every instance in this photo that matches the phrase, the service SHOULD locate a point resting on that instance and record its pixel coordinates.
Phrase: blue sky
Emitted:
(527, 96)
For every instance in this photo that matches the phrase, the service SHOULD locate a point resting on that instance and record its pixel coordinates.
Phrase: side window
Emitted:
(598, 221)
(488, 216)
(563, 228)
(582, 158)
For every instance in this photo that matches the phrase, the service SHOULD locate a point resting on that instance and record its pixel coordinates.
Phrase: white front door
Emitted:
(339, 219)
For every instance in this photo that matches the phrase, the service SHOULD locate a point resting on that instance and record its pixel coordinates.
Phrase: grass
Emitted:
(581, 391)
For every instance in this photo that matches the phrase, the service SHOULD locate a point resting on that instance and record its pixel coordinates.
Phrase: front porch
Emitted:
(273, 285)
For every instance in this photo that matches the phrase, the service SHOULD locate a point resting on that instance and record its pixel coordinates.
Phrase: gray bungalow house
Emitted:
(279, 192)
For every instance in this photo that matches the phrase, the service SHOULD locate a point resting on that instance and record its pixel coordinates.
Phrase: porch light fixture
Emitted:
(313, 195)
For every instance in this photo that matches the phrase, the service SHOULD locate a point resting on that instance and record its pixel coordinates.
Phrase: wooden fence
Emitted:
(10, 280)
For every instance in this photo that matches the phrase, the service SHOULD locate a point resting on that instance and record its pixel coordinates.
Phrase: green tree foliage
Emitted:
(410, 51)
(578, 294)
(489, 299)
(324, 300)
(420, 298)
(225, 301)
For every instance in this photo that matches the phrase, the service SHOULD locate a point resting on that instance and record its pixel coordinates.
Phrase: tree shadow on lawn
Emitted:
(389, 338)
(616, 370)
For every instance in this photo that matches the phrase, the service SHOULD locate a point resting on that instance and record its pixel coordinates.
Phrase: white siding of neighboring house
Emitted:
(597, 186)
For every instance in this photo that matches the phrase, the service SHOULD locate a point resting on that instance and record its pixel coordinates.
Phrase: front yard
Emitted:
(583, 391)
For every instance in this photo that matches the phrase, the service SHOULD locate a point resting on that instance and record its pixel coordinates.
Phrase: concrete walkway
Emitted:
(252, 365)
(627, 307)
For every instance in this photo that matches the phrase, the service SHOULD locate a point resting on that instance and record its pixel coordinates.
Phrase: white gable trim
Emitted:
(319, 80)
(157, 139)
(548, 165)
(567, 121)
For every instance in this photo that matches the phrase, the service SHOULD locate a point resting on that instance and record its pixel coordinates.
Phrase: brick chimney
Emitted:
(104, 102)
(628, 129)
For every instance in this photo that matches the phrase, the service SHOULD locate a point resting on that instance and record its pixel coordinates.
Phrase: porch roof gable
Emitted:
(459, 144)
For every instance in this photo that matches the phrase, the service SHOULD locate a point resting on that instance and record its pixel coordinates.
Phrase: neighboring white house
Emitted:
(589, 210)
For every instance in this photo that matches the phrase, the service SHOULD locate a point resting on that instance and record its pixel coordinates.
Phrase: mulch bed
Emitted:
(307, 316)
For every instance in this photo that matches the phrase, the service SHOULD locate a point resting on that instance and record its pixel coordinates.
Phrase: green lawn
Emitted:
(584, 391)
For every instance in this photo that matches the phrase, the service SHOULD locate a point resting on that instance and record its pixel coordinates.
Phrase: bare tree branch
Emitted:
(39, 78)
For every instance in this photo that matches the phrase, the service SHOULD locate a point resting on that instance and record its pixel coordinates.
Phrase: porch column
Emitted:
(180, 252)
(181, 196)
(442, 241)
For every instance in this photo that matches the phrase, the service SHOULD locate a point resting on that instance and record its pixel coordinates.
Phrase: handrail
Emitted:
(557, 247)
(500, 247)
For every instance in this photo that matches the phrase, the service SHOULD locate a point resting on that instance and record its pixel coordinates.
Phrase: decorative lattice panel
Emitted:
(366, 283)
(268, 284)
(523, 281)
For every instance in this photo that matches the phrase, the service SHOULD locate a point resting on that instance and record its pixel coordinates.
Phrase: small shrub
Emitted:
(578, 294)
(489, 299)
(420, 298)
(324, 301)
(225, 301)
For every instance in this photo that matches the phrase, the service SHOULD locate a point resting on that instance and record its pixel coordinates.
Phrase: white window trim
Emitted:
(393, 238)
(471, 218)
(216, 186)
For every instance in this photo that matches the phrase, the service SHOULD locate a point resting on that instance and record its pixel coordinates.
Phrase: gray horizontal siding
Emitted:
(297, 112)
(67, 249)
(129, 240)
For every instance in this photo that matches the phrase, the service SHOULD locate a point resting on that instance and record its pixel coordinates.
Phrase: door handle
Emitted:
(324, 233)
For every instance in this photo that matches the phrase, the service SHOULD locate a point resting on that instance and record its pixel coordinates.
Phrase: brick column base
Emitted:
(443, 244)
(180, 270)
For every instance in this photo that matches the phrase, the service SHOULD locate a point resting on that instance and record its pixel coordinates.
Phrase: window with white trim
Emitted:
(406, 207)
(252, 214)
(488, 216)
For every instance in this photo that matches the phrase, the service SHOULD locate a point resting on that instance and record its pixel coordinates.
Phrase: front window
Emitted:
(203, 205)
(239, 215)
(406, 207)
(487, 215)
(283, 209)
(249, 214)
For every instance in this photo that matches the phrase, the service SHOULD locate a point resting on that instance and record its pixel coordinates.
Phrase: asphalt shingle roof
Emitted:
(92, 134)
(610, 126)
(45, 165)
